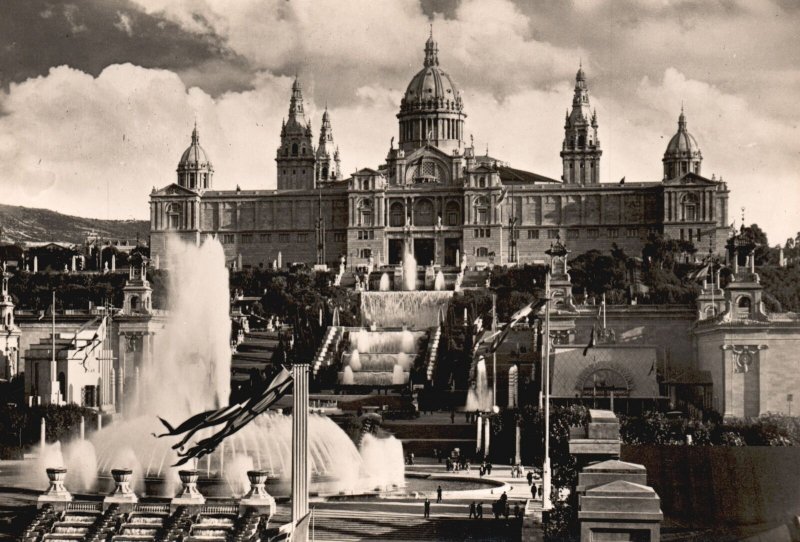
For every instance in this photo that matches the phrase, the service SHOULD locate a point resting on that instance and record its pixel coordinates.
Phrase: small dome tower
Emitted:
(683, 153)
(195, 170)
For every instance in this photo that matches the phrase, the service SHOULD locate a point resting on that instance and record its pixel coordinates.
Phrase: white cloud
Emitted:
(124, 23)
(61, 139)
(71, 15)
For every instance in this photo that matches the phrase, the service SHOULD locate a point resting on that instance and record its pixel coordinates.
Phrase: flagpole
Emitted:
(494, 353)
(604, 311)
(546, 504)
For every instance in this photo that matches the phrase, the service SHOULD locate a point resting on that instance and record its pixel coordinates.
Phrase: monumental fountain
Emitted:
(190, 374)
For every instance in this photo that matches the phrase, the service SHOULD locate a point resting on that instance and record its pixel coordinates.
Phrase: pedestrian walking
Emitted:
(452, 416)
(506, 510)
(530, 477)
(479, 511)
(517, 511)
(472, 510)
(439, 494)
(489, 469)
(427, 508)
(540, 491)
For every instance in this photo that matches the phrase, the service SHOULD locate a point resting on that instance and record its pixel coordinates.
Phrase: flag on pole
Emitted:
(234, 416)
(496, 338)
(591, 343)
(699, 274)
(622, 181)
(502, 197)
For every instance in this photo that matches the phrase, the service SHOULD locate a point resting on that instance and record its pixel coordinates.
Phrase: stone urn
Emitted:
(122, 481)
(56, 493)
(189, 479)
(257, 499)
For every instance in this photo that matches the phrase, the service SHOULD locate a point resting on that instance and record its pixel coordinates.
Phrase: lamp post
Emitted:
(557, 250)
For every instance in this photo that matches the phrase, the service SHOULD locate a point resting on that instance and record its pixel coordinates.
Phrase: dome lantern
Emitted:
(683, 153)
(195, 170)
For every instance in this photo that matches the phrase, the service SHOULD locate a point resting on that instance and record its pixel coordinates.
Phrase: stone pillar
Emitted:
(300, 474)
(479, 437)
(517, 442)
(487, 438)
(56, 495)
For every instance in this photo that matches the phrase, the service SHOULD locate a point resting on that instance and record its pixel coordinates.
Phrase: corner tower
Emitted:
(683, 153)
(295, 157)
(195, 171)
(327, 165)
(431, 111)
(580, 152)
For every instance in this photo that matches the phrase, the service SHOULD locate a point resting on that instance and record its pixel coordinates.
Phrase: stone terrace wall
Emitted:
(705, 485)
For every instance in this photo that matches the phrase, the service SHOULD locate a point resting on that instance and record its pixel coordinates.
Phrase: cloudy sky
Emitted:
(98, 97)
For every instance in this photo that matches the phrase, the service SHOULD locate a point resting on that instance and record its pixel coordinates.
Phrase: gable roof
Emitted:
(174, 189)
(510, 175)
(691, 178)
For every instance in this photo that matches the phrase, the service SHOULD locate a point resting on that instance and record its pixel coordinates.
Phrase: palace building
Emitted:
(436, 192)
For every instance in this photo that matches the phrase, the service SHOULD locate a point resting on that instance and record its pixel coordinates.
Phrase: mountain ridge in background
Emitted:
(28, 224)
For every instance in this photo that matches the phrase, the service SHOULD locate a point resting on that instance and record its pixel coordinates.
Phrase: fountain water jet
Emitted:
(480, 396)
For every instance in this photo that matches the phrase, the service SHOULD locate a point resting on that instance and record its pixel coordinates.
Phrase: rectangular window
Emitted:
(227, 238)
(552, 234)
(573, 234)
(699, 235)
(613, 233)
(283, 238)
(340, 236)
(365, 252)
(302, 237)
(533, 234)
(265, 237)
(691, 235)
(592, 234)
(682, 235)
(247, 238)
(632, 232)
(516, 234)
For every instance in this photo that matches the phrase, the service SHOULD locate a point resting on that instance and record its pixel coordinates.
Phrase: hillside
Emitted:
(25, 224)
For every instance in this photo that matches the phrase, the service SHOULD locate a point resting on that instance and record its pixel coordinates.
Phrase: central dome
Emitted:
(431, 111)
(431, 87)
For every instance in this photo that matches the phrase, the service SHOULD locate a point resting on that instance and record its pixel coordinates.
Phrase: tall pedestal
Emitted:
(300, 451)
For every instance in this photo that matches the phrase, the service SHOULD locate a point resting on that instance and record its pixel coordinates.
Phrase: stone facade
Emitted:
(437, 191)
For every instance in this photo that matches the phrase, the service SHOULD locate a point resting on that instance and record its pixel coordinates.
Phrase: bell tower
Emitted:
(327, 166)
(580, 152)
(295, 157)
(9, 340)
(137, 292)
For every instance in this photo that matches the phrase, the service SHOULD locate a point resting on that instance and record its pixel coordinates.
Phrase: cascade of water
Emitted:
(384, 285)
(480, 396)
(383, 464)
(438, 283)
(398, 375)
(355, 360)
(415, 310)
(409, 268)
(347, 376)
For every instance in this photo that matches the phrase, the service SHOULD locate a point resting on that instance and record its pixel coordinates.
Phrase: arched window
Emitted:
(689, 205)
(482, 181)
(134, 303)
(603, 381)
(743, 306)
(365, 213)
(482, 252)
(423, 213)
(397, 214)
(452, 213)
(481, 208)
(294, 149)
(325, 172)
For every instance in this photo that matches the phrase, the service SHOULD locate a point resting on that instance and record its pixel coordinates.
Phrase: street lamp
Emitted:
(557, 250)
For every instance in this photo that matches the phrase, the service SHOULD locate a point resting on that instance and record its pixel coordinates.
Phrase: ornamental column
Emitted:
(300, 473)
